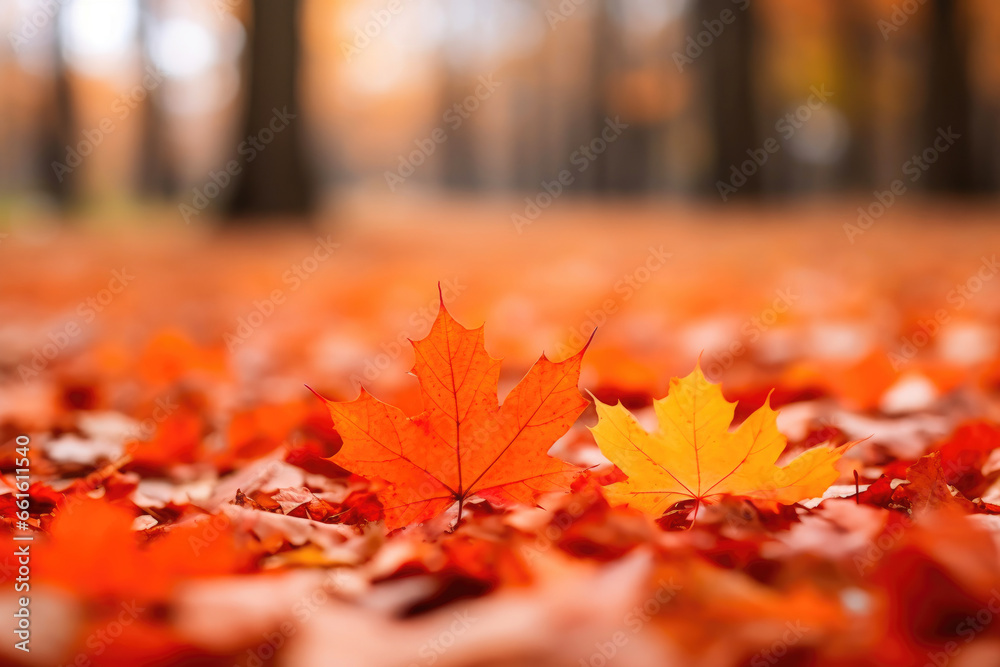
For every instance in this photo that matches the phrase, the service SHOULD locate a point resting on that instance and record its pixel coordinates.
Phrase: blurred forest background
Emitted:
(112, 104)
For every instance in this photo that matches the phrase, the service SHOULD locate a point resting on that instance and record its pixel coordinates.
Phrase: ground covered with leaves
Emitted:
(778, 448)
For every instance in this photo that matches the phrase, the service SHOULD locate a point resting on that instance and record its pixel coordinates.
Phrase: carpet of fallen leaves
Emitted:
(187, 507)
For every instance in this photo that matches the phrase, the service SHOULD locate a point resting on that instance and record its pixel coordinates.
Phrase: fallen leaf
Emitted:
(75, 556)
(964, 454)
(464, 444)
(928, 488)
(694, 456)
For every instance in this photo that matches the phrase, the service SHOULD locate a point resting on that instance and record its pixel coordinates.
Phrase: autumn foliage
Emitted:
(464, 444)
(622, 499)
(693, 456)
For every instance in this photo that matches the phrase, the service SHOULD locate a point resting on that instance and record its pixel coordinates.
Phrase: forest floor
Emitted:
(184, 508)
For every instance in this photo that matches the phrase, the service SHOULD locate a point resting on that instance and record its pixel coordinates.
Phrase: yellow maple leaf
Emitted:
(693, 454)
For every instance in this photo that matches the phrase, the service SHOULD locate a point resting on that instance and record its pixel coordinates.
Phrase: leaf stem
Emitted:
(694, 516)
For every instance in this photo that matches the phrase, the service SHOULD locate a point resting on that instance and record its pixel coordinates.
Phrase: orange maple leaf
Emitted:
(464, 443)
(694, 456)
(87, 535)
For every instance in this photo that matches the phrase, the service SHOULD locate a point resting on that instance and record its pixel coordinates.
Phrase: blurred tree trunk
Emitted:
(949, 99)
(596, 177)
(59, 133)
(857, 41)
(624, 166)
(275, 178)
(458, 152)
(729, 75)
